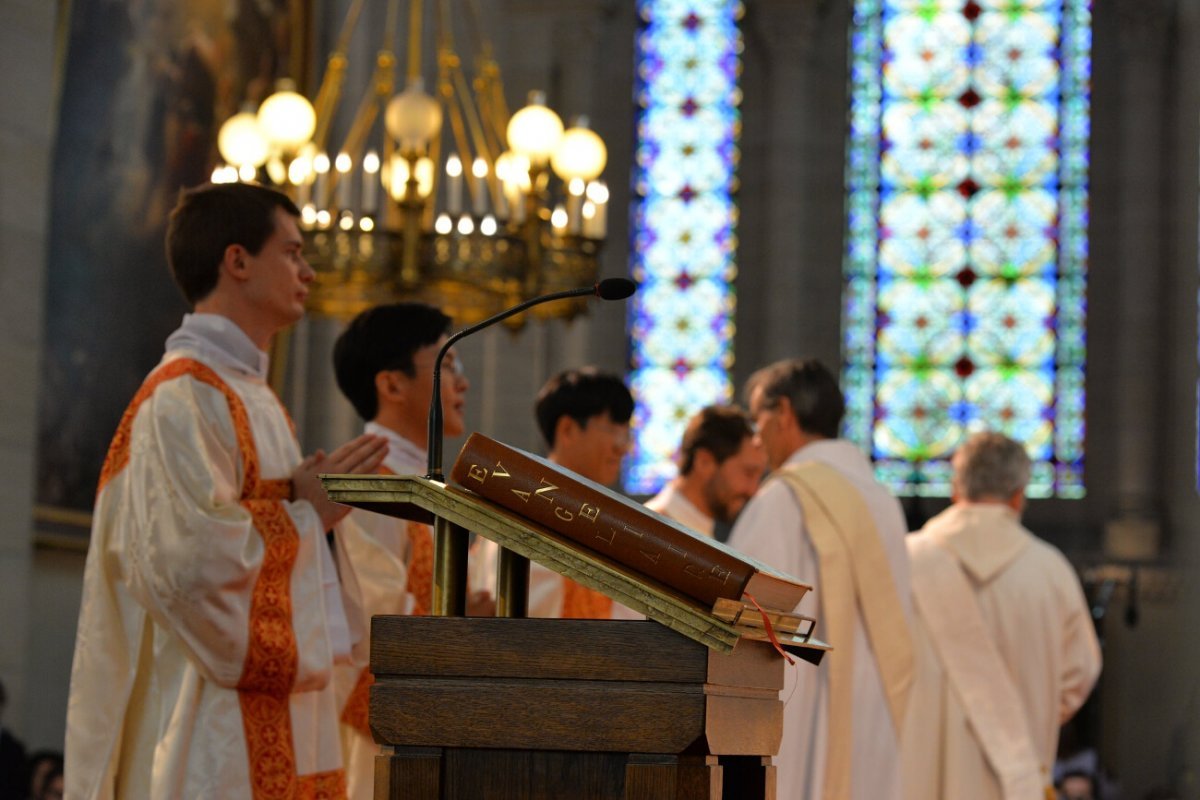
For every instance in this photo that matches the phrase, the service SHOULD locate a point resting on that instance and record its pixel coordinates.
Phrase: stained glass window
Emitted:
(681, 320)
(967, 234)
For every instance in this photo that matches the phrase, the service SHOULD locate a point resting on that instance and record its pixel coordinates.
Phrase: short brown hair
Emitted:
(721, 430)
(209, 218)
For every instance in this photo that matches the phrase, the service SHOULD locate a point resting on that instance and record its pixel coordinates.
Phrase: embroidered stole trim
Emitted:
(269, 670)
(855, 574)
(975, 669)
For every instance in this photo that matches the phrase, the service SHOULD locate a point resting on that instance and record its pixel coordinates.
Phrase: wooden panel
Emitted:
(514, 775)
(540, 648)
(754, 664)
(408, 772)
(660, 777)
(651, 777)
(534, 714)
(743, 726)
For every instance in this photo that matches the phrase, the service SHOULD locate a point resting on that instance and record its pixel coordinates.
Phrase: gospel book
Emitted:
(618, 528)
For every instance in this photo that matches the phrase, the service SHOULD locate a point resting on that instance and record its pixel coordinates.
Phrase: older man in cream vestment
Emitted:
(1006, 650)
(822, 517)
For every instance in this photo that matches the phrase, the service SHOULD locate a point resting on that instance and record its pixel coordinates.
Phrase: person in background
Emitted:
(720, 466)
(13, 766)
(583, 415)
(42, 765)
(1006, 649)
(822, 517)
(383, 362)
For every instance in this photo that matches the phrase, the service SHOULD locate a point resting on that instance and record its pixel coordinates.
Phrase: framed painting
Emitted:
(144, 89)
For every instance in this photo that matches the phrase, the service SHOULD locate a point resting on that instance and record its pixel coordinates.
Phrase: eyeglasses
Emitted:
(452, 365)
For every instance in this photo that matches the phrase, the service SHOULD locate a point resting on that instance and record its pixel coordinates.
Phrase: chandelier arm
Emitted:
(368, 109)
(415, 8)
(335, 74)
(453, 108)
(472, 116)
(435, 154)
(486, 97)
(492, 84)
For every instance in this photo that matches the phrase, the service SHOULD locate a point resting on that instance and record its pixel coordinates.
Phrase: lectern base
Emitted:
(473, 774)
(483, 709)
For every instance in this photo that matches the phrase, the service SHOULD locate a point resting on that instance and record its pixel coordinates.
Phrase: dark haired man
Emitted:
(212, 614)
(822, 517)
(384, 365)
(720, 466)
(583, 415)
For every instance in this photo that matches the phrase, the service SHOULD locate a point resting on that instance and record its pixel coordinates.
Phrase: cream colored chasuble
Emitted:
(854, 571)
(974, 667)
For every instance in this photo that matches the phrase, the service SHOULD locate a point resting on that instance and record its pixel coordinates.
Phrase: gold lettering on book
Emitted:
(630, 530)
(563, 514)
(589, 512)
(652, 556)
(612, 536)
(719, 573)
(523, 495)
(695, 571)
(477, 473)
(678, 550)
(543, 492)
(500, 471)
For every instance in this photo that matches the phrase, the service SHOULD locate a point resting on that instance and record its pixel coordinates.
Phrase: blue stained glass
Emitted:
(681, 319)
(966, 258)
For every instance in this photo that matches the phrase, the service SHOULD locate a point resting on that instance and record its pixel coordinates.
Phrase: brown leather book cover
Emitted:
(615, 526)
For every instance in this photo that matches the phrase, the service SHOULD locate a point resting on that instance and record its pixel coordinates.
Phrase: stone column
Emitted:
(1134, 530)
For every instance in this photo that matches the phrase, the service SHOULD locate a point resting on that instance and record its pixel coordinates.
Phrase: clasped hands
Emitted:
(361, 456)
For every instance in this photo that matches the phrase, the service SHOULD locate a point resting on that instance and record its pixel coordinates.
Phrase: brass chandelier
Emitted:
(472, 217)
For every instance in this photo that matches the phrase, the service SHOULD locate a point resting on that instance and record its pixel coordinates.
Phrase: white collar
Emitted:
(838, 453)
(220, 340)
(404, 457)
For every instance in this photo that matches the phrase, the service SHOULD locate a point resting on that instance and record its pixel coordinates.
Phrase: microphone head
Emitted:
(615, 288)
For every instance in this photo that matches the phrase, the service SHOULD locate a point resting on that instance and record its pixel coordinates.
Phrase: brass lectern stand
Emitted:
(676, 708)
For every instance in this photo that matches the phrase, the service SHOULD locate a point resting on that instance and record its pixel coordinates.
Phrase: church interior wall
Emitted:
(1142, 390)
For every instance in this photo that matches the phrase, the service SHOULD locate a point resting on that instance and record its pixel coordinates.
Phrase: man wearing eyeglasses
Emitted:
(822, 517)
(384, 365)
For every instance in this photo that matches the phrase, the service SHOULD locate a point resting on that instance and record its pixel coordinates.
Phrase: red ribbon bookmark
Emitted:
(770, 629)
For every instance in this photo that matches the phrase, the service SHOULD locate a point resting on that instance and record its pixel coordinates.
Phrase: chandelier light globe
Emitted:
(580, 154)
(535, 131)
(286, 118)
(241, 142)
(413, 118)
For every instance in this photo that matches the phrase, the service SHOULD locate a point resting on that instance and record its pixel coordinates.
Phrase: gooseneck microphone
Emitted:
(607, 289)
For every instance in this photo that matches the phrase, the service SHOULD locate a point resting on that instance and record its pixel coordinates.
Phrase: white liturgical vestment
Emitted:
(670, 502)
(211, 614)
(1033, 611)
(380, 550)
(771, 529)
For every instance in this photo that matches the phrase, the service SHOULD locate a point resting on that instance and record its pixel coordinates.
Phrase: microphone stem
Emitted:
(434, 460)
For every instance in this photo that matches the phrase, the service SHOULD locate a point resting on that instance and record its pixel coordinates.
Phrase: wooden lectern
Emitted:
(680, 706)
